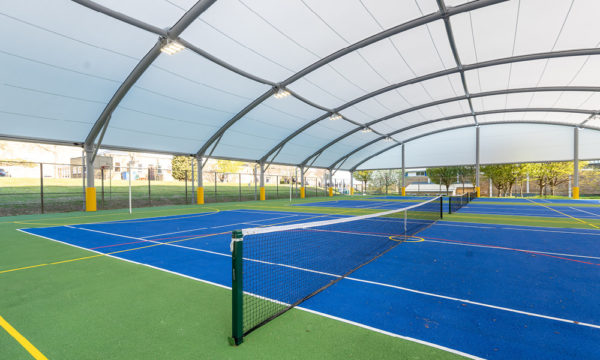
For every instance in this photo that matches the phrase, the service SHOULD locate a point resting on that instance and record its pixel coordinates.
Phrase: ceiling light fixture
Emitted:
(366, 130)
(172, 47)
(281, 93)
(388, 139)
(334, 117)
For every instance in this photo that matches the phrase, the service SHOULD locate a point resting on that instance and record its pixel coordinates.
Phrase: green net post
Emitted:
(449, 205)
(441, 207)
(237, 288)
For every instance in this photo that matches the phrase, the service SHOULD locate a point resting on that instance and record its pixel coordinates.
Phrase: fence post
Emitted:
(240, 185)
(102, 184)
(186, 195)
(216, 186)
(277, 181)
(149, 191)
(42, 187)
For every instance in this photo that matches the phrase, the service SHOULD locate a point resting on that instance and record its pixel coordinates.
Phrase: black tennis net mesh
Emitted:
(276, 268)
(456, 202)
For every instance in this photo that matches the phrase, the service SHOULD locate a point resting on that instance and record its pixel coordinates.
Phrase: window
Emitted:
(117, 167)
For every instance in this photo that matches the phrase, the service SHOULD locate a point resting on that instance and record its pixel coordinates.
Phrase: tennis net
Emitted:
(276, 268)
(456, 202)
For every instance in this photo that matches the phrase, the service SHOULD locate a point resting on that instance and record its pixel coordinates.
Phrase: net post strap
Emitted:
(271, 229)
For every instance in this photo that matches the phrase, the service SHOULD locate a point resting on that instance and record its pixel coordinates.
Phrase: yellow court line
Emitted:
(144, 247)
(33, 351)
(572, 217)
(512, 217)
(32, 222)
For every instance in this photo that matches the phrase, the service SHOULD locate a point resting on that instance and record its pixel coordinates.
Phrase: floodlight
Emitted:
(281, 93)
(172, 47)
(335, 117)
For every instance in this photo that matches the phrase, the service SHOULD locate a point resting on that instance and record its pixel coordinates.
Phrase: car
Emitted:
(3, 173)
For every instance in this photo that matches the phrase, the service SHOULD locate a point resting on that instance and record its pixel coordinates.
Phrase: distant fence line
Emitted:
(32, 187)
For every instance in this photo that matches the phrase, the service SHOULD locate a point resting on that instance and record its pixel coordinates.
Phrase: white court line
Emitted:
(254, 221)
(151, 241)
(363, 281)
(467, 226)
(587, 212)
(498, 247)
(174, 232)
(390, 333)
(557, 231)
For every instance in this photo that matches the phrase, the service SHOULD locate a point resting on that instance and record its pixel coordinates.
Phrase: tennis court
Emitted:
(450, 287)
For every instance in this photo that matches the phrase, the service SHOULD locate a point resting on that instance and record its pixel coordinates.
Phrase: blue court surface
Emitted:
(533, 209)
(491, 291)
(361, 204)
(541, 201)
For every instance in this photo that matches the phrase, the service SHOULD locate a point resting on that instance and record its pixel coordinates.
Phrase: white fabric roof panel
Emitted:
(527, 143)
(455, 147)
(70, 60)
(588, 144)
(313, 138)
(56, 82)
(390, 159)
(264, 127)
(362, 154)
(198, 99)
(343, 147)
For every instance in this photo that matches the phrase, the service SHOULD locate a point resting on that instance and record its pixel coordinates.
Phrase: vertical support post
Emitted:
(403, 174)
(477, 171)
(149, 188)
(83, 176)
(302, 184)
(129, 178)
(330, 182)
(186, 191)
(102, 173)
(262, 182)
(351, 182)
(255, 181)
(42, 187)
(193, 179)
(441, 207)
(90, 190)
(237, 288)
(576, 163)
(240, 185)
(527, 183)
(200, 193)
(491, 188)
(277, 186)
(215, 186)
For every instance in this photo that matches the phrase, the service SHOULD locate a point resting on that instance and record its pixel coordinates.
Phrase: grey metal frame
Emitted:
(473, 5)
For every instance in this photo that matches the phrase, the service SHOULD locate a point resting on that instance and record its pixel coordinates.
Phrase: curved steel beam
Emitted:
(502, 61)
(470, 6)
(468, 126)
(458, 98)
(487, 112)
(143, 65)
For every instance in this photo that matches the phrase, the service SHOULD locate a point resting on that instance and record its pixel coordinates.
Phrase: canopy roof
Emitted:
(334, 83)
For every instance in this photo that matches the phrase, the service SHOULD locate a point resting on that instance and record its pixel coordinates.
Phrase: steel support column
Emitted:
(90, 190)
(330, 182)
(200, 191)
(403, 174)
(576, 163)
(477, 171)
(262, 182)
(302, 183)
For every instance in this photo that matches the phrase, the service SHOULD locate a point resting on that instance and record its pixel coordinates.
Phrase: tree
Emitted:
(180, 166)
(225, 167)
(363, 176)
(502, 176)
(466, 174)
(443, 175)
(384, 178)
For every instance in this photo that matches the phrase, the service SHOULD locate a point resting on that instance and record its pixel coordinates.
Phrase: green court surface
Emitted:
(71, 303)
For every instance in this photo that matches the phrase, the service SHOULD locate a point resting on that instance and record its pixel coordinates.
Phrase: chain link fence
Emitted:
(33, 188)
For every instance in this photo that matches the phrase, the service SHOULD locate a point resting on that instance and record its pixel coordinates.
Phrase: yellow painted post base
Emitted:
(90, 199)
(575, 192)
(351, 191)
(478, 191)
(262, 193)
(330, 191)
(302, 193)
(403, 191)
(200, 196)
